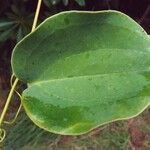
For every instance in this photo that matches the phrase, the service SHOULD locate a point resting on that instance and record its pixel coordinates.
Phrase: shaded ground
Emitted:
(133, 134)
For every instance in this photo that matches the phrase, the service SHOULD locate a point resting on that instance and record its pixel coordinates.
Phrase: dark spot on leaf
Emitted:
(97, 87)
(69, 76)
(109, 55)
(66, 20)
(87, 55)
(89, 79)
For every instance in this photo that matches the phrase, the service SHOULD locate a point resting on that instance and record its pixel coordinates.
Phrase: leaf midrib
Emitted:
(88, 76)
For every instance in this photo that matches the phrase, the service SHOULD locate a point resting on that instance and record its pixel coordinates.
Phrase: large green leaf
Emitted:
(84, 69)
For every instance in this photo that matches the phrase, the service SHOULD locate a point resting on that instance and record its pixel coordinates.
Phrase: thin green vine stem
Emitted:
(16, 80)
(8, 101)
(36, 15)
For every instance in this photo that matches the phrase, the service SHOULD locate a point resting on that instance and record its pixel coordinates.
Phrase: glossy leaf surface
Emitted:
(84, 69)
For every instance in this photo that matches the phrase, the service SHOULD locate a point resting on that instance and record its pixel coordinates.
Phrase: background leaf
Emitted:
(81, 2)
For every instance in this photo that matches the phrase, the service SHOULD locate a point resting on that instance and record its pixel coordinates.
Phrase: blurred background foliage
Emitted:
(16, 17)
